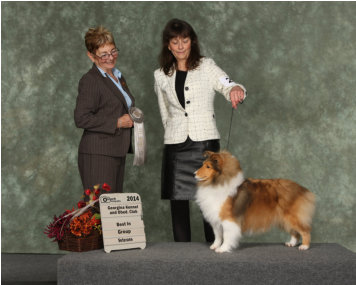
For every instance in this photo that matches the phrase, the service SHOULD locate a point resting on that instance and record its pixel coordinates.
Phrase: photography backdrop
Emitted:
(296, 59)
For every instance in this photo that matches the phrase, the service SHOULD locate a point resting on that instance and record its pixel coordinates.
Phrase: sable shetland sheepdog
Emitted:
(234, 205)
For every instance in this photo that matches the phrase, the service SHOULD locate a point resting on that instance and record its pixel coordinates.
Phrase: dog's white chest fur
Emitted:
(211, 198)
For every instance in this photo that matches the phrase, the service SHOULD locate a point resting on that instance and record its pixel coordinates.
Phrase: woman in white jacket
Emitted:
(185, 85)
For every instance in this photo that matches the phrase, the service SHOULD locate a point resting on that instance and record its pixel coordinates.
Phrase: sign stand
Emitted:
(122, 221)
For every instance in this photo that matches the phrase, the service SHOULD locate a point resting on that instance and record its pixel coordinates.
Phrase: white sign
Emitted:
(122, 221)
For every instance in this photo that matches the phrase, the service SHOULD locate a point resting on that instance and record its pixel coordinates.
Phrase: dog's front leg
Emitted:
(231, 235)
(218, 233)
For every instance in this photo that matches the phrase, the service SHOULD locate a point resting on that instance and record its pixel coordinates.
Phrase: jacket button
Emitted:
(186, 114)
(186, 88)
(188, 102)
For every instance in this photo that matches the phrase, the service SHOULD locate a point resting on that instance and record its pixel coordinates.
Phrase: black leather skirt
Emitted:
(179, 163)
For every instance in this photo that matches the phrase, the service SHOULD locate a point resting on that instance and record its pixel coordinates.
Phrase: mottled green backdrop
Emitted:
(297, 60)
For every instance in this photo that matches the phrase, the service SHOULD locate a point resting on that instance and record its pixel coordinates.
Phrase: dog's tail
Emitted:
(299, 202)
(306, 208)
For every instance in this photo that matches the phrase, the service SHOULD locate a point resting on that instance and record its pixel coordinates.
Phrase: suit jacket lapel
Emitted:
(126, 88)
(172, 84)
(115, 91)
(107, 81)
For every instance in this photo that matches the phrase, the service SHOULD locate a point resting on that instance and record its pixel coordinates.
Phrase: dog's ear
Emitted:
(217, 162)
(208, 153)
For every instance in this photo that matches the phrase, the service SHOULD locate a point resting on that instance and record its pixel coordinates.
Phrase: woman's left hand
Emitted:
(237, 95)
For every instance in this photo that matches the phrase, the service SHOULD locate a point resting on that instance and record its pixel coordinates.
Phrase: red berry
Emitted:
(106, 187)
(81, 204)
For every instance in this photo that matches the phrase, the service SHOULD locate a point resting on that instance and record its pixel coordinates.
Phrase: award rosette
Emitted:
(139, 136)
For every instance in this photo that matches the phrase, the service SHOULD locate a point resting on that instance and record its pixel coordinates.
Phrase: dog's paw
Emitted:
(303, 247)
(215, 245)
(290, 244)
(222, 249)
(293, 242)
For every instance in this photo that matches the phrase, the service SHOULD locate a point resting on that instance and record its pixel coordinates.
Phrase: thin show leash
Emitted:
(228, 138)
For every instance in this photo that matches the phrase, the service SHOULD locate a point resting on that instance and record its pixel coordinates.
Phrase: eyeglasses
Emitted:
(114, 53)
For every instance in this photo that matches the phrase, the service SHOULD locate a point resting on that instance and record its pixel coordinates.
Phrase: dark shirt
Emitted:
(180, 80)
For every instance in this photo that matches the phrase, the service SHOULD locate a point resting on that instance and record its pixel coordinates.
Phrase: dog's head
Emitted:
(218, 167)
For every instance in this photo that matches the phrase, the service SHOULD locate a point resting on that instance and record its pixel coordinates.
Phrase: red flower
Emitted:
(106, 187)
(94, 198)
(87, 192)
(81, 204)
(58, 227)
(97, 192)
(82, 225)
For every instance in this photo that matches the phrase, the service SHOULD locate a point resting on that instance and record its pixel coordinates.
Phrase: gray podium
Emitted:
(195, 263)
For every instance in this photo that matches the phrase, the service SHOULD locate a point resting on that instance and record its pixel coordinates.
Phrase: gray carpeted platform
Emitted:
(195, 263)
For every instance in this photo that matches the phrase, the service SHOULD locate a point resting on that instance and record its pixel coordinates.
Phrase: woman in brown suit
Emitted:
(102, 108)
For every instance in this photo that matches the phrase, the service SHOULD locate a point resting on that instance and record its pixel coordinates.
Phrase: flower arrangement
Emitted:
(81, 222)
(84, 224)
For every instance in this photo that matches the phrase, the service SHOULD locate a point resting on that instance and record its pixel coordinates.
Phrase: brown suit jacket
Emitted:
(99, 104)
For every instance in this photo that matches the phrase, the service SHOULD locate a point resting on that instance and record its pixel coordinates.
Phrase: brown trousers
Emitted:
(98, 169)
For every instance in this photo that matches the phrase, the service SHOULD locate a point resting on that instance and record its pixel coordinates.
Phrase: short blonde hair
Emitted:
(97, 37)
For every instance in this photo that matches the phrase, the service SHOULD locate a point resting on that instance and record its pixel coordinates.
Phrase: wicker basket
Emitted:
(72, 243)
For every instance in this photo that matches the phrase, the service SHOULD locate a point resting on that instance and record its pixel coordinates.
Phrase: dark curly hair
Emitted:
(178, 28)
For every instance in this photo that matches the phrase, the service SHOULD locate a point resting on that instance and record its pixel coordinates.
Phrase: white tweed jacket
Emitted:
(197, 120)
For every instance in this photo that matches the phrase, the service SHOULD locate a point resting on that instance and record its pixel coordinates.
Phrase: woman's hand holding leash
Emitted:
(237, 96)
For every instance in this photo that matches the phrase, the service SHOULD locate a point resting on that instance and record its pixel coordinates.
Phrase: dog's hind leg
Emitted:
(231, 235)
(305, 240)
(295, 236)
(298, 229)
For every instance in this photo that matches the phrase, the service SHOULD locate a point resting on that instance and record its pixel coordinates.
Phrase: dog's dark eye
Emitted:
(207, 166)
